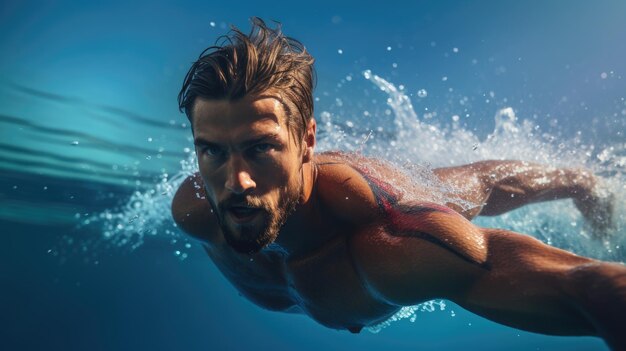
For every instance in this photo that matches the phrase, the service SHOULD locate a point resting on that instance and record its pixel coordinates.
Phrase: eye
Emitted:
(262, 148)
(212, 150)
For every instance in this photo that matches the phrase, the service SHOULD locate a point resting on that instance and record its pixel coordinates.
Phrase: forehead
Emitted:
(214, 119)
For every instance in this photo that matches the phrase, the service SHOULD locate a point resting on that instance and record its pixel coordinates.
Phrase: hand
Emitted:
(597, 206)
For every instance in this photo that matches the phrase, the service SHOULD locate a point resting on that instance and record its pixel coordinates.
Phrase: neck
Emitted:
(309, 177)
(294, 236)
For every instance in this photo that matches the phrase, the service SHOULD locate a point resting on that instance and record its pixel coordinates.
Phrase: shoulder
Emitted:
(192, 212)
(344, 191)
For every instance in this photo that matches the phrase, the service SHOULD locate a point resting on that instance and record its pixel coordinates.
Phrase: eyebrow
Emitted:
(198, 141)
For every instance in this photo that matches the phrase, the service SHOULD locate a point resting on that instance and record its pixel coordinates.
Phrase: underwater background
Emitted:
(92, 147)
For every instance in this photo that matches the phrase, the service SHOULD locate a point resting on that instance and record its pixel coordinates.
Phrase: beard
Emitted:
(249, 238)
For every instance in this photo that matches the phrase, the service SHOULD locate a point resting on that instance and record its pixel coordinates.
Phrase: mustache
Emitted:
(243, 201)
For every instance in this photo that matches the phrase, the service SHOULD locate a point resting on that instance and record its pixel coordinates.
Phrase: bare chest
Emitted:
(331, 290)
(324, 284)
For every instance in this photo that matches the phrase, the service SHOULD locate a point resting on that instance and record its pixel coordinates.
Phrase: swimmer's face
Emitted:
(251, 166)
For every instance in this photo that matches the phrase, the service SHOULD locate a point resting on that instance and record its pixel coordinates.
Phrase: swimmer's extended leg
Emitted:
(501, 186)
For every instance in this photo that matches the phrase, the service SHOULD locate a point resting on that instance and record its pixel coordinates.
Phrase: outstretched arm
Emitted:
(497, 187)
(426, 251)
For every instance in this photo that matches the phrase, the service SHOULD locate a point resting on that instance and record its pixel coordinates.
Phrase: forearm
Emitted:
(515, 183)
(544, 289)
(500, 186)
(599, 290)
(529, 286)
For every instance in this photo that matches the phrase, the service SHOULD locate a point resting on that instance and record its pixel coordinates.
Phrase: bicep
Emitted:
(419, 252)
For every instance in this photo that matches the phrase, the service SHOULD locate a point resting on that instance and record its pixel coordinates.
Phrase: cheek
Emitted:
(211, 180)
(275, 173)
(280, 174)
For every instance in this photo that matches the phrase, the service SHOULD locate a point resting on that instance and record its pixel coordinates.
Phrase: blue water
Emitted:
(92, 146)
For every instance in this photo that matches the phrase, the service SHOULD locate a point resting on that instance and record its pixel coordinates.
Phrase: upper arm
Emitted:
(192, 212)
(425, 252)
(405, 252)
(419, 252)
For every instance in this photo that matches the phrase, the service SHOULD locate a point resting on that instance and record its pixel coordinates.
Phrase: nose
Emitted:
(239, 179)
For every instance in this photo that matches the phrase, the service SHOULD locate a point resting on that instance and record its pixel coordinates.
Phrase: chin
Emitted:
(251, 238)
(244, 243)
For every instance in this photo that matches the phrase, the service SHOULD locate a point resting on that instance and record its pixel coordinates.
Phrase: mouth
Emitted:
(243, 214)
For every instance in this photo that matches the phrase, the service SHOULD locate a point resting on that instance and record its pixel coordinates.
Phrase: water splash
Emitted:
(145, 214)
(408, 312)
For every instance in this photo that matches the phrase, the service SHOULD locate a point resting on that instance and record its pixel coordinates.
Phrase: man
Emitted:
(336, 237)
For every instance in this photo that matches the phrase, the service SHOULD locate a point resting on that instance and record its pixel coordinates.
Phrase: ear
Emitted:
(309, 141)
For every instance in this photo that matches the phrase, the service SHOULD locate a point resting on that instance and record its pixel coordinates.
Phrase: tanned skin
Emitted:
(356, 250)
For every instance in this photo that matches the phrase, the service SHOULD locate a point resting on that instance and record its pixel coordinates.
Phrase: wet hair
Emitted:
(264, 61)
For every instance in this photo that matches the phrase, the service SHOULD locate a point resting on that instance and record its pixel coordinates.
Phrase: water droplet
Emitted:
(388, 48)
(340, 51)
(149, 140)
(212, 24)
(74, 143)
(422, 93)
(148, 157)
(603, 75)
(455, 50)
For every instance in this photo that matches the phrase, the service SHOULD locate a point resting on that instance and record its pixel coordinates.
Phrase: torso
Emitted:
(323, 281)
